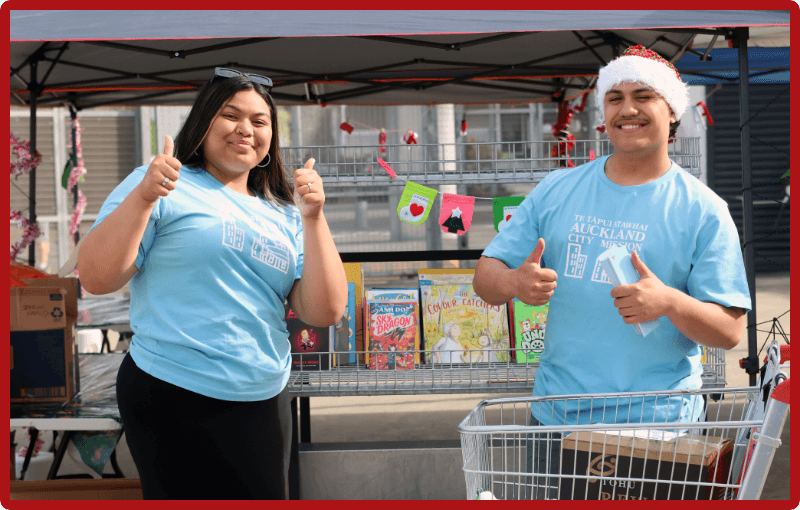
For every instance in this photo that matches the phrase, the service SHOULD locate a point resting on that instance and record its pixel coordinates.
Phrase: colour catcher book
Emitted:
(459, 327)
(311, 345)
(393, 330)
(529, 325)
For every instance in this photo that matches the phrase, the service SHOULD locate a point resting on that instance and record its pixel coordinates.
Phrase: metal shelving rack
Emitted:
(347, 167)
(350, 166)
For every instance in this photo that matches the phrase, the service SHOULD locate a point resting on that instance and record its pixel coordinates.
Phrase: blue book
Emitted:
(616, 261)
(346, 330)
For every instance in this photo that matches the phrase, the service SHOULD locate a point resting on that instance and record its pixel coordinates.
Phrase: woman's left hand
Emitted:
(309, 196)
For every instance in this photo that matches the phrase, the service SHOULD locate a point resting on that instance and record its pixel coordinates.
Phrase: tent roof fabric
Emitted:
(90, 59)
(72, 25)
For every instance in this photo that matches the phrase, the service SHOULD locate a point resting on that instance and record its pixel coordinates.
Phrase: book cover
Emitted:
(310, 345)
(445, 276)
(459, 327)
(345, 345)
(402, 294)
(355, 274)
(616, 262)
(530, 322)
(393, 330)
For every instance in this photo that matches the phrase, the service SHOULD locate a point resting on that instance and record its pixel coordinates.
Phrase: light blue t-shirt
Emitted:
(683, 232)
(207, 302)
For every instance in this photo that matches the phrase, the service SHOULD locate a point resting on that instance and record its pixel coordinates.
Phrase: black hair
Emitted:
(673, 128)
(269, 181)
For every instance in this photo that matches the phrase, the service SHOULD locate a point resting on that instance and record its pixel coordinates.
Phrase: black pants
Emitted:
(543, 458)
(189, 446)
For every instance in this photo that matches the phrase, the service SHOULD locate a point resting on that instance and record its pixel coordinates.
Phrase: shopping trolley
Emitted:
(724, 455)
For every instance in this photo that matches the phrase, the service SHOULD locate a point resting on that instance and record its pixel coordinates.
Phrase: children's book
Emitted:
(310, 345)
(529, 326)
(459, 327)
(403, 294)
(393, 330)
(345, 345)
(355, 274)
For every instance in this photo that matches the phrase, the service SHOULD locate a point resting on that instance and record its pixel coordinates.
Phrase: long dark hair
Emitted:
(269, 181)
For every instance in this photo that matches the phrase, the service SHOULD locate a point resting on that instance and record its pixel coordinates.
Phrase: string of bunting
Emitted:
(457, 210)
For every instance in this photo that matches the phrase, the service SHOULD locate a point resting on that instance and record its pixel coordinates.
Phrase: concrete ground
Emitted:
(436, 417)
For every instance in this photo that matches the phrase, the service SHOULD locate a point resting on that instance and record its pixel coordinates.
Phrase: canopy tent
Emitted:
(88, 59)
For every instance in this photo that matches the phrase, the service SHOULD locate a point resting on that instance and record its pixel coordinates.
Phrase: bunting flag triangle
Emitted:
(503, 208)
(415, 203)
(456, 213)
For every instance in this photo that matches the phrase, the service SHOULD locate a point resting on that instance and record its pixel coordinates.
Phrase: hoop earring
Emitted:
(196, 154)
(267, 163)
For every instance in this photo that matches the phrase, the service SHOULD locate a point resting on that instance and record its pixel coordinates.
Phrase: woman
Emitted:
(213, 247)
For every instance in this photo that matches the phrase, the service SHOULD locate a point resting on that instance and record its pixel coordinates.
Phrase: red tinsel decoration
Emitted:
(706, 113)
(382, 141)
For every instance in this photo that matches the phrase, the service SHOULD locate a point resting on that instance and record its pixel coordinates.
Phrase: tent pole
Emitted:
(742, 34)
(33, 87)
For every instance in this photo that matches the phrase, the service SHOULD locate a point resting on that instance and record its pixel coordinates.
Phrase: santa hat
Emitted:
(640, 65)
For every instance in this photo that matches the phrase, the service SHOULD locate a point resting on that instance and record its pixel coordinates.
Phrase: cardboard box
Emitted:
(687, 458)
(43, 359)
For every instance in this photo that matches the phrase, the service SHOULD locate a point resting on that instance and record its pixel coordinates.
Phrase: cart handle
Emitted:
(781, 392)
(784, 354)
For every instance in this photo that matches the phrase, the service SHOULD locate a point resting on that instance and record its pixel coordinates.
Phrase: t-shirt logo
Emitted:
(272, 253)
(232, 235)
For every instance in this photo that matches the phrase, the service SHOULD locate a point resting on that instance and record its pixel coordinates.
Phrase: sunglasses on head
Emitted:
(224, 72)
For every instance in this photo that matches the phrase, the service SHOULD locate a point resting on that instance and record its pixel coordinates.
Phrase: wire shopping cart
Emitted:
(724, 455)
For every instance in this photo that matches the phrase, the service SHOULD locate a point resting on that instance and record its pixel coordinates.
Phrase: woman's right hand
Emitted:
(164, 166)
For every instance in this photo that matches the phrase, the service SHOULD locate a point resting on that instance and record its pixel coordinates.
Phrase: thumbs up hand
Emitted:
(535, 284)
(161, 175)
(309, 196)
(646, 300)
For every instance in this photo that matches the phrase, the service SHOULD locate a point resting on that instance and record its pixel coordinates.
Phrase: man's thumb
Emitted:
(168, 146)
(639, 265)
(536, 256)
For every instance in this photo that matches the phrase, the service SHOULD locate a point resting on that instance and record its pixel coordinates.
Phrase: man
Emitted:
(684, 246)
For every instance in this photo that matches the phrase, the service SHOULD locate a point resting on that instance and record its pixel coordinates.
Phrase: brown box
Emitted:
(43, 356)
(687, 458)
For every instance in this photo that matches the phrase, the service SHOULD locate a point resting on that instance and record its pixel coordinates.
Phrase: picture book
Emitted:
(616, 262)
(310, 345)
(529, 326)
(389, 295)
(393, 330)
(345, 345)
(355, 274)
(459, 327)
(445, 276)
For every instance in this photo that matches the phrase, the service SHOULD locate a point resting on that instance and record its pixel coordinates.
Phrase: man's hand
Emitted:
(534, 284)
(646, 300)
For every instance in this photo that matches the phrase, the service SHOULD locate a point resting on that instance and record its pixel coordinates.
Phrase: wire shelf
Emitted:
(461, 163)
(478, 377)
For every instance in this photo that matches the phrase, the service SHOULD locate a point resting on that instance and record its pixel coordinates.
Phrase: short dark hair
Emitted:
(270, 181)
(673, 128)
